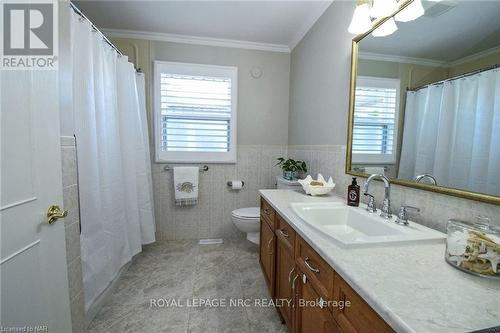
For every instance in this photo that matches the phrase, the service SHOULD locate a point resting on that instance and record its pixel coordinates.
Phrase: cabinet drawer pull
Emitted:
(321, 303)
(284, 233)
(306, 261)
(293, 282)
(269, 245)
(290, 275)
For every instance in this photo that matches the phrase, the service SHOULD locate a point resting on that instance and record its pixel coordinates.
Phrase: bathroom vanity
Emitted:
(294, 271)
(402, 287)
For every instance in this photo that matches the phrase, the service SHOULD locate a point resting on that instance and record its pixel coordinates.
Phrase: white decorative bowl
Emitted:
(317, 189)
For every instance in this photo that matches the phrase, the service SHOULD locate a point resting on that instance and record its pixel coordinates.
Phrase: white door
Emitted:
(34, 284)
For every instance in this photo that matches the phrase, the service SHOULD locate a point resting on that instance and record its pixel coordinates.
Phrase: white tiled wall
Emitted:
(211, 217)
(436, 209)
(72, 232)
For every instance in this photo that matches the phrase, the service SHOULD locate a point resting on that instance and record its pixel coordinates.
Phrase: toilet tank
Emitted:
(285, 184)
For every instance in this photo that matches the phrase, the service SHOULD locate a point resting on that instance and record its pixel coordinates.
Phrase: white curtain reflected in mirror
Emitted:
(452, 132)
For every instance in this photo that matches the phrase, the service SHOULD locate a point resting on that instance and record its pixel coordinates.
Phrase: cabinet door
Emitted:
(285, 269)
(267, 254)
(358, 316)
(311, 315)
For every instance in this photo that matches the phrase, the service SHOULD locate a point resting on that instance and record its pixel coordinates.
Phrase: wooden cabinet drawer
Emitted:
(317, 270)
(285, 234)
(267, 213)
(358, 316)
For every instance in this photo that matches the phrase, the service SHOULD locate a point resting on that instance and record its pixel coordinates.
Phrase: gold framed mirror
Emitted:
(402, 122)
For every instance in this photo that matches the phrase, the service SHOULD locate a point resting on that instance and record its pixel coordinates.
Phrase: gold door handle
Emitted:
(54, 213)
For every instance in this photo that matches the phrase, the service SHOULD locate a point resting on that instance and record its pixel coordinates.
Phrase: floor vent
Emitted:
(210, 241)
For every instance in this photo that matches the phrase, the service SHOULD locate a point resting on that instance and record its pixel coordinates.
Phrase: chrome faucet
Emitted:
(386, 206)
(403, 214)
(419, 178)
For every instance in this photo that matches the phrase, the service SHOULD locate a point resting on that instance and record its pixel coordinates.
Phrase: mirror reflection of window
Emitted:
(376, 114)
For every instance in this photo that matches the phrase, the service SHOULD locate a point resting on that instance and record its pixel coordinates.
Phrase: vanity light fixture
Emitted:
(361, 21)
(367, 11)
(383, 8)
(387, 28)
(412, 12)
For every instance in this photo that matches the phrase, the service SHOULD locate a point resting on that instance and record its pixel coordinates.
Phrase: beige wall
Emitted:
(411, 75)
(487, 61)
(262, 103)
(320, 69)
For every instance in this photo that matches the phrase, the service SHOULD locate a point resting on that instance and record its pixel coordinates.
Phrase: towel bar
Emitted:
(169, 168)
(362, 169)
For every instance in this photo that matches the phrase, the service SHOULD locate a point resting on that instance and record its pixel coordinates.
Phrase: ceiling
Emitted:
(268, 23)
(466, 28)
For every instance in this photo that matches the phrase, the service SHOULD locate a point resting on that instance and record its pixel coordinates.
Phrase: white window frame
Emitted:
(203, 70)
(381, 82)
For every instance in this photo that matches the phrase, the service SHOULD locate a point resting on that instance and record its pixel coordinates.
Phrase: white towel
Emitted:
(186, 185)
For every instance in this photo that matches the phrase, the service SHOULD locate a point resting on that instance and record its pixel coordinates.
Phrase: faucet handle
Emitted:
(403, 214)
(371, 203)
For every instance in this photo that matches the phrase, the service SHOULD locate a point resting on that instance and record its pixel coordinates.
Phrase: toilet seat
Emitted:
(248, 213)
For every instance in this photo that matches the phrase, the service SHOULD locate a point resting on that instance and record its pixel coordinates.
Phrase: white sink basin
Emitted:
(351, 226)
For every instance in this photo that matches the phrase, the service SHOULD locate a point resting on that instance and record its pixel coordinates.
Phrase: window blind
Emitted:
(195, 113)
(374, 120)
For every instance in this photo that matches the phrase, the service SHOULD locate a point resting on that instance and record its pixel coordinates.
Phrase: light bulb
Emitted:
(361, 21)
(383, 8)
(387, 28)
(411, 12)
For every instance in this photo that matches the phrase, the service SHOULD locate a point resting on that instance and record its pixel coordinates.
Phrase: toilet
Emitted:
(248, 219)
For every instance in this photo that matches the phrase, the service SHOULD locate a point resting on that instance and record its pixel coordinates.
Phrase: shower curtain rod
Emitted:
(456, 77)
(79, 12)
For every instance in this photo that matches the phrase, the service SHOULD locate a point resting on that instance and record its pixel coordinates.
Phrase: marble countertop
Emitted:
(410, 286)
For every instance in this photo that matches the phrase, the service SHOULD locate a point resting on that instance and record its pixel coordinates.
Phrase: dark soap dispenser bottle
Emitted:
(353, 193)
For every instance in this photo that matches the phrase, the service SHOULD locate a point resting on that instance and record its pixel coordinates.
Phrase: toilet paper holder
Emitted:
(230, 183)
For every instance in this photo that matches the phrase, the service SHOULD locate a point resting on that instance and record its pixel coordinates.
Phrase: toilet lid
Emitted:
(248, 212)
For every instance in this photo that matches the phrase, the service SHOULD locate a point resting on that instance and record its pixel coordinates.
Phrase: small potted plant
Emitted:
(291, 168)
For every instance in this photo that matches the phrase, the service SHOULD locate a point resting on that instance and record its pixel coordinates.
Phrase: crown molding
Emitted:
(309, 24)
(402, 59)
(186, 39)
(475, 56)
(428, 62)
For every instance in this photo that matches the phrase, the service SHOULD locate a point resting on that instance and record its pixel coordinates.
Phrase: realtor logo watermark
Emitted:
(29, 34)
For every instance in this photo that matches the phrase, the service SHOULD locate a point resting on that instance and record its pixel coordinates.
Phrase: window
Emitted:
(376, 112)
(195, 112)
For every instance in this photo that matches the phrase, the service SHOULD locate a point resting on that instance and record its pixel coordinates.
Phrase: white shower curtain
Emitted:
(113, 159)
(452, 131)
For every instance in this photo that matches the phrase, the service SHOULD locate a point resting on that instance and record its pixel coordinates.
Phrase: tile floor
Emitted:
(183, 270)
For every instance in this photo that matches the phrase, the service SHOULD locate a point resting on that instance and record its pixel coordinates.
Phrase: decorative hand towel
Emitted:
(186, 185)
